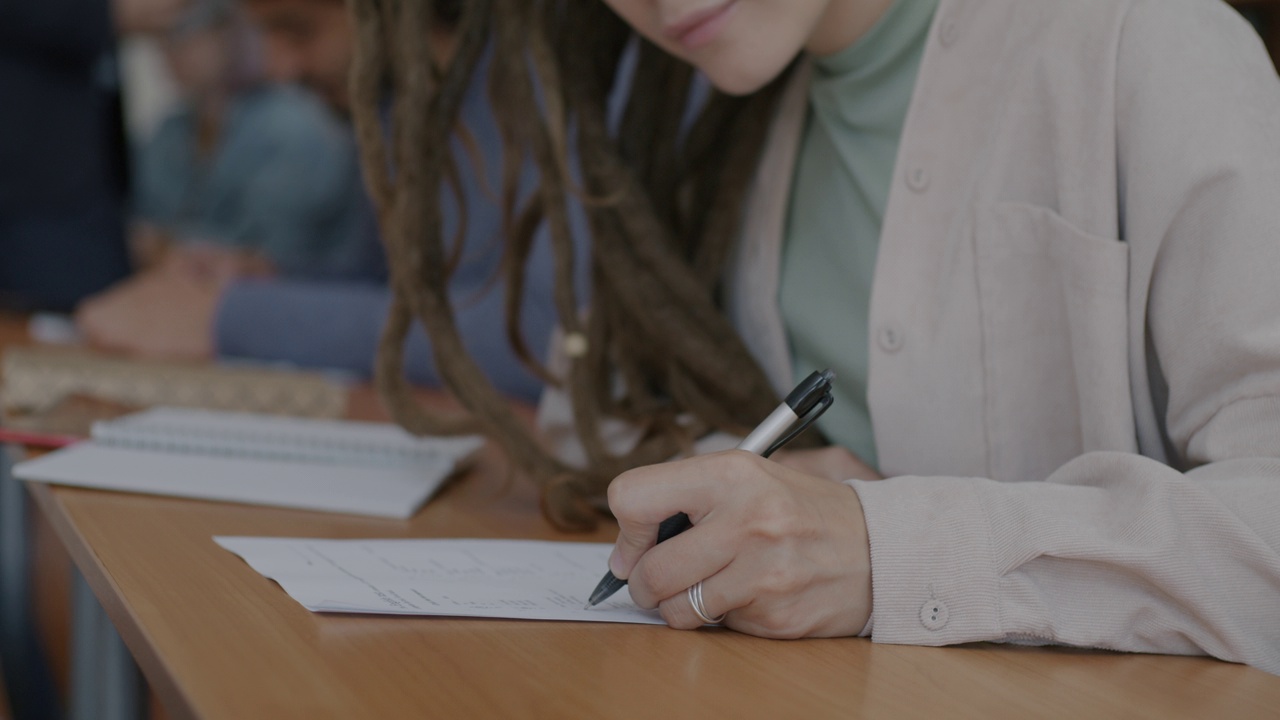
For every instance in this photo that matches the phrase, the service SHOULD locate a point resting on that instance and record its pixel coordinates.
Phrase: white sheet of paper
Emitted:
(516, 579)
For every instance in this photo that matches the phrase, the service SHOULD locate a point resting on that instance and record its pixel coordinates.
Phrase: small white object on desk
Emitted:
(54, 329)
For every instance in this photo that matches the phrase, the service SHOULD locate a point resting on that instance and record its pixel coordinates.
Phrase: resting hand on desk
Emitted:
(153, 315)
(167, 312)
(785, 554)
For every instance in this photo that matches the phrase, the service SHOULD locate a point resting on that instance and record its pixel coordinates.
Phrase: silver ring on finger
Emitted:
(695, 599)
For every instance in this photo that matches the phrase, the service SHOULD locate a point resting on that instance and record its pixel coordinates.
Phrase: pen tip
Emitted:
(587, 606)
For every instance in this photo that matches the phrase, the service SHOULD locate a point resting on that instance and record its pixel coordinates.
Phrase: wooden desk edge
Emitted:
(109, 595)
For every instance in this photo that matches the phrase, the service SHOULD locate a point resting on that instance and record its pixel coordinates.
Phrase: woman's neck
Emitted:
(844, 23)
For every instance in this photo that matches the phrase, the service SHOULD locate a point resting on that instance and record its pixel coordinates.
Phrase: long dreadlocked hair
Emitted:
(663, 207)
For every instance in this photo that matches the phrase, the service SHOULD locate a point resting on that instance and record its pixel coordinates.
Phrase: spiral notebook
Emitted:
(327, 465)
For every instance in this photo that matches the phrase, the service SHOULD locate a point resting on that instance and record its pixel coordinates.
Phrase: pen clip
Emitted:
(803, 424)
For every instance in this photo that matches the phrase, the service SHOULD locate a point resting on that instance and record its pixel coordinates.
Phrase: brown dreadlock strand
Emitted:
(663, 212)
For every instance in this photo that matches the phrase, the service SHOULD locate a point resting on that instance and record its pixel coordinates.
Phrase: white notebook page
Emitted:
(393, 492)
(272, 437)
(333, 466)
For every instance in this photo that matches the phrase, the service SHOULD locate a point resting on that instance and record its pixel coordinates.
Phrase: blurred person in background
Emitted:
(62, 157)
(222, 306)
(263, 169)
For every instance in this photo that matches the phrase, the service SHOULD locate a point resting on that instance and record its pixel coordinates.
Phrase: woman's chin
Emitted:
(739, 80)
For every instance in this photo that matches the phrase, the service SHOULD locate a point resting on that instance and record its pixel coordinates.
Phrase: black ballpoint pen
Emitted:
(803, 405)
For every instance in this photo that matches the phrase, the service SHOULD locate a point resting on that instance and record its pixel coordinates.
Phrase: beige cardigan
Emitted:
(1078, 287)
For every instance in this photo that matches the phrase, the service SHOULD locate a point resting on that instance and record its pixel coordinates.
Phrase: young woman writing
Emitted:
(1035, 239)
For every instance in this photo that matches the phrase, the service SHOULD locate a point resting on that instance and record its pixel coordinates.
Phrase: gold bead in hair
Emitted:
(575, 345)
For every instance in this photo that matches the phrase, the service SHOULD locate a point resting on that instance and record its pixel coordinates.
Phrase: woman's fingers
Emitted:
(722, 594)
(668, 569)
(641, 499)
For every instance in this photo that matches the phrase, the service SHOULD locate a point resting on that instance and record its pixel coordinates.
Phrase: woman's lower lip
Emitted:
(705, 32)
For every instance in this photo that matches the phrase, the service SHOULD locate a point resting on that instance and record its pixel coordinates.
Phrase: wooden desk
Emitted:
(216, 640)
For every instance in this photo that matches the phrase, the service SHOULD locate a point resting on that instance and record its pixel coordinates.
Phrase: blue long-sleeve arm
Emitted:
(337, 325)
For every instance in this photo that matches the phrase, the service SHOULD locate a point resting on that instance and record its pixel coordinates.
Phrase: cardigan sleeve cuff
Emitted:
(933, 575)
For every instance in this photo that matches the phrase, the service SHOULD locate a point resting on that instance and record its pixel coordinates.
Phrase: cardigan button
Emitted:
(934, 615)
(890, 338)
(918, 178)
(949, 31)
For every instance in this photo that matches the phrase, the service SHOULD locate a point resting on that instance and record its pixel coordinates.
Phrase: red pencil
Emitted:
(36, 439)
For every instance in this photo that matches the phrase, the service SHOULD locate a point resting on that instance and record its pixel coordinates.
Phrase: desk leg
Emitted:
(105, 681)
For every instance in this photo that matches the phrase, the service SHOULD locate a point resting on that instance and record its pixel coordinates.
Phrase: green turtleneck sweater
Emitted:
(857, 106)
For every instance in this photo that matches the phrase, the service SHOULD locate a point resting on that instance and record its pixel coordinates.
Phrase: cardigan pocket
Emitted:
(1053, 302)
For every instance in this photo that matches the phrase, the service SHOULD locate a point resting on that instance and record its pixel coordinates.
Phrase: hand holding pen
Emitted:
(783, 553)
